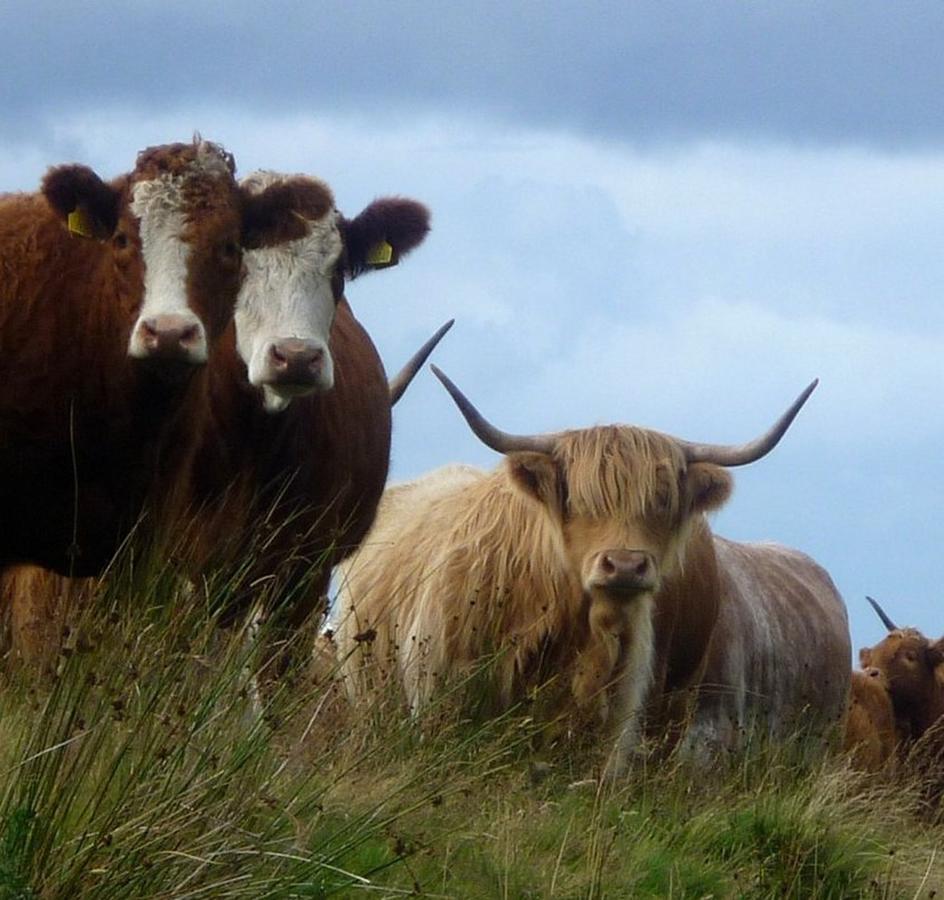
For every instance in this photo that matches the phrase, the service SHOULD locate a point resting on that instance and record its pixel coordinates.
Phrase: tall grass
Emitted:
(142, 765)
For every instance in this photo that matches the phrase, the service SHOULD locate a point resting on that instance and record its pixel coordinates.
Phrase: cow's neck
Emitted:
(926, 712)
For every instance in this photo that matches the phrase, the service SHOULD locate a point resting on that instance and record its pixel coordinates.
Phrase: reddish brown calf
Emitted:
(871, 735)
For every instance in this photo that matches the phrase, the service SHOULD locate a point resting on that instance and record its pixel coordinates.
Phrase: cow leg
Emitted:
(37, 606)
(283, 630)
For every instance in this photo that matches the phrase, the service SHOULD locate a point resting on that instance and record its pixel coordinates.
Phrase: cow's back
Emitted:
(459, 569)
(780, 654)
(383, 586)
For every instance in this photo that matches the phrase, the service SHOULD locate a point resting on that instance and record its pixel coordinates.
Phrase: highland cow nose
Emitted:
(625, 570)
(617, 562)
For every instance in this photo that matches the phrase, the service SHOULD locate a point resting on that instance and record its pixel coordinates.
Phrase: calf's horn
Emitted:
(888, 623)
(487, 433)
(401, 381)
(741, 455)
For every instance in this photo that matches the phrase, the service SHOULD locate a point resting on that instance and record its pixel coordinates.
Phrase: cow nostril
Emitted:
(278, 357)
(190, 336)
(607, 565)
(149, 327)
(316, 360)
(642, 567)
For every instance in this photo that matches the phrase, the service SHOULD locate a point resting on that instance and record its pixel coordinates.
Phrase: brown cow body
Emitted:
(309, 459)
(91, 375)
(779, 653)
(338, 508)
(314, 471)
(75, 412)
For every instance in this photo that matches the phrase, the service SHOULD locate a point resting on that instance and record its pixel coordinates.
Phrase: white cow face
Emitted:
(298, 252)
(289, 295)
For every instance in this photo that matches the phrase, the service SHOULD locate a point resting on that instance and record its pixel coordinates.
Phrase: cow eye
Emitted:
(120, 240)
(663, 491)
(229, 250)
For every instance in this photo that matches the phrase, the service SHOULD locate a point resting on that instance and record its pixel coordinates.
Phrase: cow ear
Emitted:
(709, 486)
(936, 653)
(386, 230)
(88, 206)
(536, 475)
(865, 657)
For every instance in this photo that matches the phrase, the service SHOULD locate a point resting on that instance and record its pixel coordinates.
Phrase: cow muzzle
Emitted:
(624, 572)
(294, 366)
(170, 338)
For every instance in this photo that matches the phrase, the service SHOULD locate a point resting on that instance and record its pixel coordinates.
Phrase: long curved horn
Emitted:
(401, 381)
(888, 623)
(487, 433)
(734, 455)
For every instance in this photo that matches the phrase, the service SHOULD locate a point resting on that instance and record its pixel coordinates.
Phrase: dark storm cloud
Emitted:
(822, 72)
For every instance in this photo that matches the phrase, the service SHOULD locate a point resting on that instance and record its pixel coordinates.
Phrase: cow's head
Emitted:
(623, 497)
(173, 228)
(910, 662)
(873, 680)
(299, 251)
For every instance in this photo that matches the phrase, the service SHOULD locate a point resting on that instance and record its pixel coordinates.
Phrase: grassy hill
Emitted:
(139, 765)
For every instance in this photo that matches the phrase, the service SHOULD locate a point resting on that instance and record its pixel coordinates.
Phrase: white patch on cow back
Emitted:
(287, 293)
(159, 205)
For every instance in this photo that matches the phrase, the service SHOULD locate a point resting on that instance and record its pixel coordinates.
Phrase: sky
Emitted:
(668, 214)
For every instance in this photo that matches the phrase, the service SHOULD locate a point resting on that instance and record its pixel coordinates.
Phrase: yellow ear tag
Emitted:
(78, 223)
(381, 254)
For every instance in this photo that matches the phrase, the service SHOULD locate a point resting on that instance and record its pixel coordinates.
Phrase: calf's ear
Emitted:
(88, 206)
(936, 653)
(536, 476)
(865, 657)
(709, 486)
(386, 230)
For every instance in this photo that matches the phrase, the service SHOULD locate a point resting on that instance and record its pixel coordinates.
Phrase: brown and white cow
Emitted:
(294, 407)
(549, 568)
(111, 294)
(913, 666)
(296, 418)
(871, 734)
